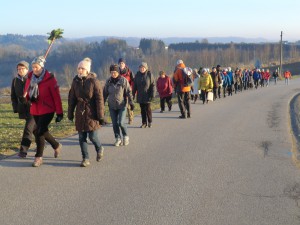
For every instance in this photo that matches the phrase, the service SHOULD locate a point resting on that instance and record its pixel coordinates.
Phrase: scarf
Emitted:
(34, 87)
(22, 78)
(115, 80)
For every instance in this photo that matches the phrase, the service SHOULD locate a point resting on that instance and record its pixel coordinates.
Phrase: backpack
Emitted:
(187, 77)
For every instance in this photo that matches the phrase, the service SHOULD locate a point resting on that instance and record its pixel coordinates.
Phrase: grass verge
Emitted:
(11, 127)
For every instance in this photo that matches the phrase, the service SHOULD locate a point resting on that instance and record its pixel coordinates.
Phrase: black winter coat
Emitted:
(144, 87)
(19, 103)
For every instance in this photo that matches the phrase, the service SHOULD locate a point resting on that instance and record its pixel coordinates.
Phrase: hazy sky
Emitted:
(154, 18)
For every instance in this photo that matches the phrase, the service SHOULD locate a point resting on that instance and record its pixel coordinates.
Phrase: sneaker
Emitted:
(85, 163)
(100, 154)
(149, 125)
(170, 108)
(37, 161)
(22, 155)
(161, 111)
(118, 142)
(126, 140)
(57, 151)
(143, 125)
(182, 117)
(188, 115)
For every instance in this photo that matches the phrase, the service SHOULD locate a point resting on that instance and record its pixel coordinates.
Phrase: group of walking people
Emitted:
(36, 98)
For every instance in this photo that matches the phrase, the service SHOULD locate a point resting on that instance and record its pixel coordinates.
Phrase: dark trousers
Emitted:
(184, 102)
(204, 96)
(215, 92)
(42, 133)
(163, 100)
(29, 128)
(256, 83)
(146, 112)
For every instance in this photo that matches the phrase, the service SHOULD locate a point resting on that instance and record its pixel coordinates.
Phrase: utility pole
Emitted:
(280, 68)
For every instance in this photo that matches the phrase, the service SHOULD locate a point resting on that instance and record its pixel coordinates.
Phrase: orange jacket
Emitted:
(178, 79)
(287, 74)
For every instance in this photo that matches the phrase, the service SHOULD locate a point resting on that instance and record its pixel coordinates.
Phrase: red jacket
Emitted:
(49, 100)
(267, 75)
(164, 87)
(128, 75)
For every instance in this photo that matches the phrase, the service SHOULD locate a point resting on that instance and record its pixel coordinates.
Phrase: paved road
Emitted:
(230, 164)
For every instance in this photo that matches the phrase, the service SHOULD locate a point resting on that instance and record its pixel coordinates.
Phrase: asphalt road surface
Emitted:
(230, 164)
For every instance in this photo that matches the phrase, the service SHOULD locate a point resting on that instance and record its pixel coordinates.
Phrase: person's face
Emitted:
(214, 70)
(37, 69)
(81, 71)
(163, 75)
(122, 65)
(22, 70)
(142, 69)
(114, 74)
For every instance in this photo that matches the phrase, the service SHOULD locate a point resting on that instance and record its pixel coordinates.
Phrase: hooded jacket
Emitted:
(178, 79)
(117, 94)
(49, 100)
(86, 96)
(205, 82)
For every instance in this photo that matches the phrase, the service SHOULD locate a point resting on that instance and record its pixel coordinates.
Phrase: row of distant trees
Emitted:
(65, 56)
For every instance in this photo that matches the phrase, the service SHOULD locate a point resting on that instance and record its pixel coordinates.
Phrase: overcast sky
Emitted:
(154, 18)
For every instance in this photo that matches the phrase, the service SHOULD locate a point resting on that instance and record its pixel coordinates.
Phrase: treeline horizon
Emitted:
(65, 55)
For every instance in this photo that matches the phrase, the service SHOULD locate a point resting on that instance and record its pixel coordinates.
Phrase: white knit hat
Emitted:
(85, 64)
(40, 60)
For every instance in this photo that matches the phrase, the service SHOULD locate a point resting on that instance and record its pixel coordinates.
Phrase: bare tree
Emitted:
(69, 73)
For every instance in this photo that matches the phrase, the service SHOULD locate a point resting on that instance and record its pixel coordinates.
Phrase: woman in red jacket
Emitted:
(165, 89)
(42, 90)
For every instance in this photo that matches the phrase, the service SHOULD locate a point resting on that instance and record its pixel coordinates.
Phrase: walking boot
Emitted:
(100, 154)
(37, 161)
(57, 151)
(85, 163)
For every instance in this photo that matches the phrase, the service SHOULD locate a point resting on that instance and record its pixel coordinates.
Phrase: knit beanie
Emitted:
(121, 60)
(40, 60)
(144, 64)
(85, 64)
(23, 63)
(114, 67)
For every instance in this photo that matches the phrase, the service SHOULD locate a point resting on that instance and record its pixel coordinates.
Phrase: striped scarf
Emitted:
(34, 88)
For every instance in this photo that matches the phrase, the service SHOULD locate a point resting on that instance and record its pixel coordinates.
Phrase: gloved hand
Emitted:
(132, 107)
(59, 118)
(102, 121)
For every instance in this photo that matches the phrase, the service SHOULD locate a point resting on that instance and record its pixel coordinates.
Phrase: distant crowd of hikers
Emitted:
(36, 98)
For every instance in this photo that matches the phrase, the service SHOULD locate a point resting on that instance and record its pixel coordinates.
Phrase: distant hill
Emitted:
(29, 42)
(135, 41)
(39, 42)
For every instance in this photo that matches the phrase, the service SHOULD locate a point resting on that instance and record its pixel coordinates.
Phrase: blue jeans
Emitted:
(94, 138)
(118, 120)
(287, 81)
